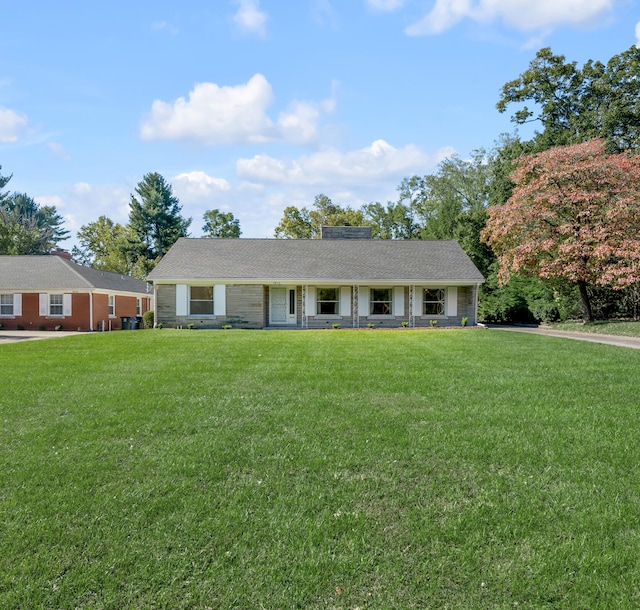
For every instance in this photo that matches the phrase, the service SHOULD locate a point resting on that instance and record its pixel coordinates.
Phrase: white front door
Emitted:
(282, 305)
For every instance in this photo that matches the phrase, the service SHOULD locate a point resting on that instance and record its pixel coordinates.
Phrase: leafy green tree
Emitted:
(393, 221)
(451, 204)
(105, 244)
(575, 104)
(220, 224)
(307, 223)
(27, 227)
(155, 219)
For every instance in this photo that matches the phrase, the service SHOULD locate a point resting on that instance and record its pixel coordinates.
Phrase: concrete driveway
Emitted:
(11, 336)
(632, 342)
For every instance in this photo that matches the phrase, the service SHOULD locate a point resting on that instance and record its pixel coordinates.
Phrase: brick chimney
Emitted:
(345, 232)
(60, 252)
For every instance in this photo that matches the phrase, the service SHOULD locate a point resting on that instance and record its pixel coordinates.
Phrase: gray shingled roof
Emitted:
(56, 273)
(316, 260)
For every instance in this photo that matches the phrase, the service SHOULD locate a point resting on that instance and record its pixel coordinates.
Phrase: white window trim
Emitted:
(183, 298)
(381, 316)
(213, 303)
(16, 305)
(111, 313)
(450, 302)
(337, 301)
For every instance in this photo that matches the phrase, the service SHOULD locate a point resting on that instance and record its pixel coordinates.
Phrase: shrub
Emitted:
(464, 321)
(433, 323)
(58, 327)
(20, 327)
(1, 326)
(370, 325)
(336, 325)
(405, 324)
(227, 327)
(159, 325)
(147, 319)
(191, 326)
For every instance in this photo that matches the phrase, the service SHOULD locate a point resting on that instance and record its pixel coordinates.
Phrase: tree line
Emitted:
(552, 222)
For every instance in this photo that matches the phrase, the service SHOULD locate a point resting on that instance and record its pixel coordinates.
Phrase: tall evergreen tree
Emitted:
(154, 217)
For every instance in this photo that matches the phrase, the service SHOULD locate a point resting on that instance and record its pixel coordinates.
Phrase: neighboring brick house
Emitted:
(345, 278)
(48, 291)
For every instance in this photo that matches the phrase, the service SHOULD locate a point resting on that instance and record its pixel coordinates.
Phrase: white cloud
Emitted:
(198, 185)
(11, 125)
(329, 167)
(385, 5)
(163, 26)
(215, 115)
(250, 19)
(524, 15)
(58, 150)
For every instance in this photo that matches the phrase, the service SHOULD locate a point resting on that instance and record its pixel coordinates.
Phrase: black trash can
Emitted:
(126, 322)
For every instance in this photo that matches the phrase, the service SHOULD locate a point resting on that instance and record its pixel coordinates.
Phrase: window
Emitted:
(201, 301)
(111, 305)
(56, 304)
(433, 302)
(292, 302)
(138, 306)
(328, 301)
(6, 304)
(380, 303)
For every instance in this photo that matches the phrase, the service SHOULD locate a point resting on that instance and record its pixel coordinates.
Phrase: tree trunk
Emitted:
(586, 303)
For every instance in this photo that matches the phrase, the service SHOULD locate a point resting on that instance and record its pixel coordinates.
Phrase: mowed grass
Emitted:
(319, 469)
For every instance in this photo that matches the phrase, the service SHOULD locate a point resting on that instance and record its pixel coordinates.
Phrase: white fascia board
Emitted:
(317, 282)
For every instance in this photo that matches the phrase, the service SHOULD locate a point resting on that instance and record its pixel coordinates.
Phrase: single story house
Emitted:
(345, 278)
(48, 291)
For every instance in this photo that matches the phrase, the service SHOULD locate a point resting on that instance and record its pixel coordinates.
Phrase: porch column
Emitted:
(412, 318)
(355, 307)
(305, 289)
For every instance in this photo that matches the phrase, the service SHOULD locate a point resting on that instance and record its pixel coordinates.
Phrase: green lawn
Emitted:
(319, 469)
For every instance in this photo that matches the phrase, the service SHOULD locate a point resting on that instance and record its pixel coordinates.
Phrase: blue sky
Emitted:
(250, 106)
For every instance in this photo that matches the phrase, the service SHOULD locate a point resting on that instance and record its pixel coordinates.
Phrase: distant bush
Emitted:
(58, 327)
(147, 319)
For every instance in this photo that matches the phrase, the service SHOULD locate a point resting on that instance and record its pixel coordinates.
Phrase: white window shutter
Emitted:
(311, 301)
(219, 300)
(345, 301)
(17, 304)
(44, 304)
(363, 301)
(418, 293)
(452, 301)
(66, 304)
(398, 301)
(182, 299)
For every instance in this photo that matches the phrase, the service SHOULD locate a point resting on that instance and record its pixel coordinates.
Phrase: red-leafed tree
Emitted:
(574, 214)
